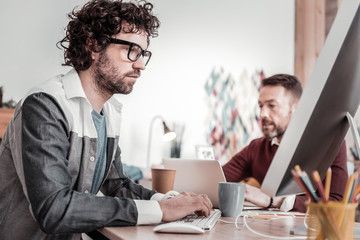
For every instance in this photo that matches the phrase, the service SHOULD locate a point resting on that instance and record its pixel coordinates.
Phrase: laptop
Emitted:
(198, 176)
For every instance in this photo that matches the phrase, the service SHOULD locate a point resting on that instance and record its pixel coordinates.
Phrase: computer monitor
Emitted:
(319, 125)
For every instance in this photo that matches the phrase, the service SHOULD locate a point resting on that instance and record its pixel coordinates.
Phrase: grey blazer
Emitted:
(47, 162)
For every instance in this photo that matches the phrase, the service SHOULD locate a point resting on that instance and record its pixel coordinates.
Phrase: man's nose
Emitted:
(264, 112)
(139, 64)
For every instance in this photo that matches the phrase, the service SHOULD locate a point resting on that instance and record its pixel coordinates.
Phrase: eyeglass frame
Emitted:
(131, 44)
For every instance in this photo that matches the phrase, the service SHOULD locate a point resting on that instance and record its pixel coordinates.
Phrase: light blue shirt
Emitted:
(100, 125)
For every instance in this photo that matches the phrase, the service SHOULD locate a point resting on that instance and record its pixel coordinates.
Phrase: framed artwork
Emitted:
(205, 152)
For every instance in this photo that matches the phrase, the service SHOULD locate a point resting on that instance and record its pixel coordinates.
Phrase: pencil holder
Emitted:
(331, 220)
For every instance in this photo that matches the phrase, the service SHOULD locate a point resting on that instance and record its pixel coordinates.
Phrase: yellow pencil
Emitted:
(348, 188)
(298, 170)
(327, 183)
(357, 191)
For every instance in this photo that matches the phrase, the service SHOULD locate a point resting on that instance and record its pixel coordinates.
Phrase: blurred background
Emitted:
(202, 79)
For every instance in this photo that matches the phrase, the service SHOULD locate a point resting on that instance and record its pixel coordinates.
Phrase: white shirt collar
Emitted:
(275, 141)
(72, 85)
(73, 88)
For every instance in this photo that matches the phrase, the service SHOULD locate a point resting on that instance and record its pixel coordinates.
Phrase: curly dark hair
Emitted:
(289, 82)
(97, 21)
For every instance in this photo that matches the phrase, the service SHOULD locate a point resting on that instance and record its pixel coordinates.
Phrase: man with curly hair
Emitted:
(61, 147)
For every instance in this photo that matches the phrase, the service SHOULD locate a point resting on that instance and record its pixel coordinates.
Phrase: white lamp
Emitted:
(168, 136)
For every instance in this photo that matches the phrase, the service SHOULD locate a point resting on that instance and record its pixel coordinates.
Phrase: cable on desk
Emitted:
(269, 236)
(305, 224)
(245, 224)
(235, 222)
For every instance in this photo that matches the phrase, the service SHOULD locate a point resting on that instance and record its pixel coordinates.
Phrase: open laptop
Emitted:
(198, 176)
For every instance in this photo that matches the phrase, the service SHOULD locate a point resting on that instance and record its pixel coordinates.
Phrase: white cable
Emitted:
(235, 222)
(245, 224)
(225, 221)
(264, 235)
(306, 215)
(305, 224)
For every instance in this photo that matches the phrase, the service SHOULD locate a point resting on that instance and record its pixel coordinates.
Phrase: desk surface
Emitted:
(222, 230)
(280, 227)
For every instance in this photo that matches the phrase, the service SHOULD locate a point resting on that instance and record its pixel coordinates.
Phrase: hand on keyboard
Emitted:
(191, 224)
(185, 204)
(206, 223)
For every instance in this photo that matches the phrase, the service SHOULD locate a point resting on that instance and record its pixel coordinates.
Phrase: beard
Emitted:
(107, 78)
(276, 132)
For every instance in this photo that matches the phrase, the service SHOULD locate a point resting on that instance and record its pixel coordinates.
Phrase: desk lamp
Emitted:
(168, 136)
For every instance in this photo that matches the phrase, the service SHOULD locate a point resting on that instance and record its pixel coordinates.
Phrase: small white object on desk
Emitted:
(175, 227)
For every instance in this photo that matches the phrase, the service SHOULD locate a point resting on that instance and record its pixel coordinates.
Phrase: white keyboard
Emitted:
(206, 223)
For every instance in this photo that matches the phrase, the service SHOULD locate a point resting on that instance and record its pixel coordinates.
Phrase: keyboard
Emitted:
(206, 223)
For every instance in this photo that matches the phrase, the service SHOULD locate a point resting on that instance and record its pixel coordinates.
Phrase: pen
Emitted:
(301, 184)
(303, 180)
(356, 187)
(327, 183)
(348, 188)
(318, 182)
(298, 169)
(357, 190)
(307, 182)
(352, 191)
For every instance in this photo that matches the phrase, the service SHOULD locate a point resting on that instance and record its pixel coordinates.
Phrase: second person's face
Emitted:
(276, 109)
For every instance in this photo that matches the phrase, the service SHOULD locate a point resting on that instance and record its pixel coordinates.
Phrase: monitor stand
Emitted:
(301, 229)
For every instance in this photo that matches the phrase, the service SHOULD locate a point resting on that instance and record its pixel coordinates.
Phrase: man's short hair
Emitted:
(91, 28)
(289, 82)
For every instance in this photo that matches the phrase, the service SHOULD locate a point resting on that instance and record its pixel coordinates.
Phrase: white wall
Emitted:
(194, 37)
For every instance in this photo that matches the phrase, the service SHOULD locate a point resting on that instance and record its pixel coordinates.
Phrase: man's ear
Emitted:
(294, 105)
(92, 46)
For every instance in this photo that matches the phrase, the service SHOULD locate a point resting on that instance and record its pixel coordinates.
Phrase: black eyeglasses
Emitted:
(135, 51)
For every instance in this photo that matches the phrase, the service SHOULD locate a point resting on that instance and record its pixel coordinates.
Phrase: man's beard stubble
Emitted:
(275, 133)
(107, 80)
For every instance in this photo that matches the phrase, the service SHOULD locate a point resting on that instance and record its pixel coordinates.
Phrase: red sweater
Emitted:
(254, 161)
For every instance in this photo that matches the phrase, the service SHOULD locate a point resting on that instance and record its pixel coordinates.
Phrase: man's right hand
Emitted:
(257, 197)
(185, 204)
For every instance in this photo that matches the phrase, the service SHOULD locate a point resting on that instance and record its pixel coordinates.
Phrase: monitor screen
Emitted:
(319, 125)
